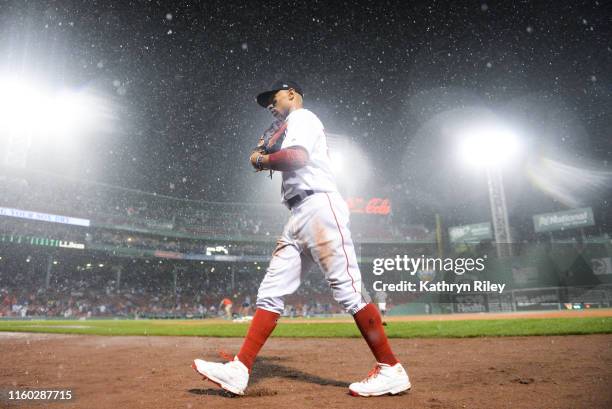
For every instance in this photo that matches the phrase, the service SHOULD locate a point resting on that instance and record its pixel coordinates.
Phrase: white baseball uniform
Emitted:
(317, 230)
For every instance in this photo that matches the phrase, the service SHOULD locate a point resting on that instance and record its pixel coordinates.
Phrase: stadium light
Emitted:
(70, 112)
(32, 109)
(344, 152)
(488, 145)
(19, 102)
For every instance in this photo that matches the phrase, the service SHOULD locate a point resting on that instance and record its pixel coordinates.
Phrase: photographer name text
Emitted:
(440, 287)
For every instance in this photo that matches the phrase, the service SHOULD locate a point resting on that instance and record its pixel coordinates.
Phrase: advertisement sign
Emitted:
(470, 233)
(40, 241)
(602, 266)
(375, 205)
(43, 217)
(569, 219)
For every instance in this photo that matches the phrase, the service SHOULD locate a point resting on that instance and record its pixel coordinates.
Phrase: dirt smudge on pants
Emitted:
(324, 246)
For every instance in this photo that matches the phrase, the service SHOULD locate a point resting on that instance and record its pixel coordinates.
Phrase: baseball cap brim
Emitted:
(265, 98)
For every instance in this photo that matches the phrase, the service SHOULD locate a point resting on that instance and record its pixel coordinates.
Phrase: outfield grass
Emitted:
(414, 329)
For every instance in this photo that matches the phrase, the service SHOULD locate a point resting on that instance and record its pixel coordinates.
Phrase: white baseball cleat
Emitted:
(383, 379)
(232, 376)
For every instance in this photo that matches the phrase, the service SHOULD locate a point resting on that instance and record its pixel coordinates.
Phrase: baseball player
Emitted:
(246, 306)
(317, 232)
(226, 304)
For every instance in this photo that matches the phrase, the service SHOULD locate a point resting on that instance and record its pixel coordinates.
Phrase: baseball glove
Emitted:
(272, 138)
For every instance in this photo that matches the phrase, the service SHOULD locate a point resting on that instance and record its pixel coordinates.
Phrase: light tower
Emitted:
(489, 146)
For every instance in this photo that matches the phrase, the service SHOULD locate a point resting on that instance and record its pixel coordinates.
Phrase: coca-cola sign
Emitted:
(375, 205)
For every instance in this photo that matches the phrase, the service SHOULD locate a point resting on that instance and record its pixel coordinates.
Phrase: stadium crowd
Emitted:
(133, 220)
(123, 209)
(149, 290)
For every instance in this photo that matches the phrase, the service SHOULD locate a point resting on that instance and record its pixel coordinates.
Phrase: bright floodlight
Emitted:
(30, 109)
(19, 103)
(488, 145)
(71, 111)
(349, 163)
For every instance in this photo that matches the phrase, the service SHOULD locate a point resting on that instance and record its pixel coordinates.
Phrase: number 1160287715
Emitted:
(40, 394)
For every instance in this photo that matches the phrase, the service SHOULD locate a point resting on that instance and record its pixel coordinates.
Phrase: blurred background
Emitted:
(125, 129)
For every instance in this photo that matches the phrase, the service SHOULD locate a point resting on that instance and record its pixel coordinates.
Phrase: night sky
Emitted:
(183, 76)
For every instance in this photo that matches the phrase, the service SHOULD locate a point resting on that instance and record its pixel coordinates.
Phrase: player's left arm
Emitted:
(288, 159)
(297, 147)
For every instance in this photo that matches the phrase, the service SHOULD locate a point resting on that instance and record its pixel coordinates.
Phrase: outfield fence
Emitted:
(515, 300)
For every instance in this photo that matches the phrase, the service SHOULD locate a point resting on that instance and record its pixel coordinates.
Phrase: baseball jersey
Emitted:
(305, 130)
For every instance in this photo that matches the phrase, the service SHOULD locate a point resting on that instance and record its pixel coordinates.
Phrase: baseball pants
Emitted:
(317, 232)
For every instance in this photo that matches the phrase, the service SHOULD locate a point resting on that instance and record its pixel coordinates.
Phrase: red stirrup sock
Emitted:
(260, 329)
(369, 323)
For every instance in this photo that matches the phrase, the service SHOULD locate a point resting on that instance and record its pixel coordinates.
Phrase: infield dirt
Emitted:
(155, 372)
